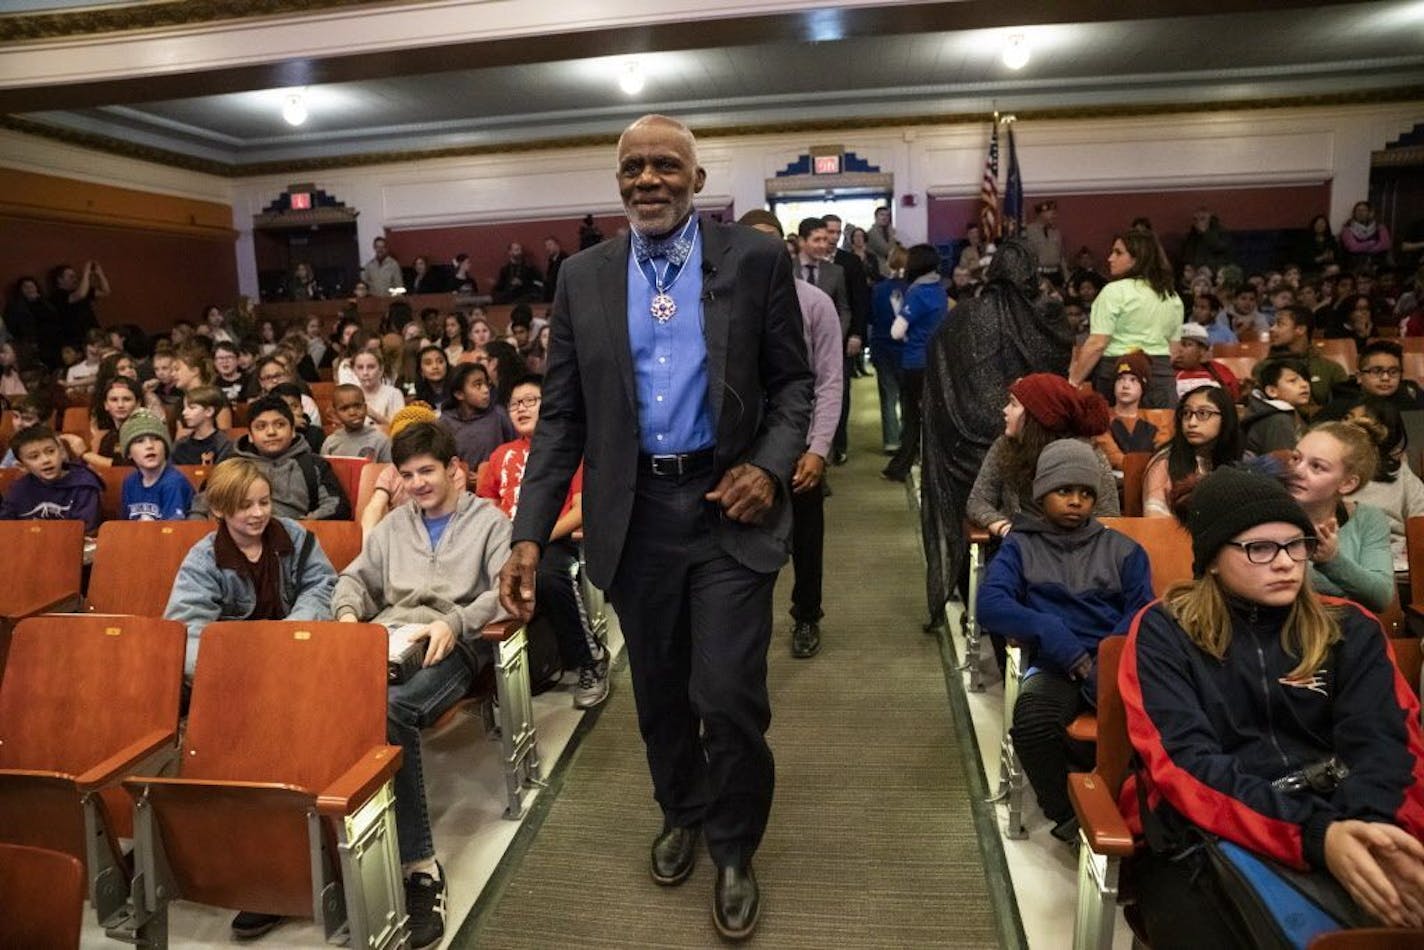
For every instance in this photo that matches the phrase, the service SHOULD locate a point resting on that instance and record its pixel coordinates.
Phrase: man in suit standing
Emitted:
(858, 288)
(554, 258)
(678, 373)
(815, 267)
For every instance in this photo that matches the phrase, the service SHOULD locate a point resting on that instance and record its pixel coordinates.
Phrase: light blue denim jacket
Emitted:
(204, 593)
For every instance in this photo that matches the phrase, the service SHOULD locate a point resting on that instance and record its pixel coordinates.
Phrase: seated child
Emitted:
(51, 487)
(303, 485)
(478, 425)
(1127, 432)
(155, 490)
(556, 591)
(205, 444)
(309, 432)
(225, 575)
(357, 437)
(434, 562)
(1059, 584)
(27, 413)
(1273, 417)
(1195, 367)
(382, 399)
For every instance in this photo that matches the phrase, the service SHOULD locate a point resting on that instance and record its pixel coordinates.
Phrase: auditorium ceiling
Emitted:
(204, 83)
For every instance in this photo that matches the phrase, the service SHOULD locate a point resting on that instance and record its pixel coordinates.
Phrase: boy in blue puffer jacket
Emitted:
(1059, 584)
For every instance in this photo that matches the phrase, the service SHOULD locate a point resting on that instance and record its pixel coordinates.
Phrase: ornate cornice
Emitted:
(253, 169)
(18, 27)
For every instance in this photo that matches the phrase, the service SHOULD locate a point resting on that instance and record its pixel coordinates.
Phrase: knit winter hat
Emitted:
(1063, 463)
(1137, 363)
(412, 413)
(1059, 407)
(140, 424)
(1231, 500)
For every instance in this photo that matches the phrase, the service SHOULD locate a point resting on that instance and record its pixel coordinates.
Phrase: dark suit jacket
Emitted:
(759, 380)
(859, 289)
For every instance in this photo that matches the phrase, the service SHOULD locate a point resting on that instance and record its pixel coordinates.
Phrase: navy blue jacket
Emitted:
(1060, 592)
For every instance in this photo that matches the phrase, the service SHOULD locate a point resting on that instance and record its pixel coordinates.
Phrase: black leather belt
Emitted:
(674, 466)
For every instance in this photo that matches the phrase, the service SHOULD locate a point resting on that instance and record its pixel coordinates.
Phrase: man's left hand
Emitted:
(854, 345)
(442, 642)
(745, 493)
(810, 468)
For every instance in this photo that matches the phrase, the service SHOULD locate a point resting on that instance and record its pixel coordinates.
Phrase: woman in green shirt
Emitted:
(1139, 309)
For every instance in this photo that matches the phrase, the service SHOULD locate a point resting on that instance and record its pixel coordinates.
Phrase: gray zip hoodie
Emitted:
(398, 578)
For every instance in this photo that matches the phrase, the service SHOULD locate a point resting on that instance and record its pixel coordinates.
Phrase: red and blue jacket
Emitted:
(1213, 735)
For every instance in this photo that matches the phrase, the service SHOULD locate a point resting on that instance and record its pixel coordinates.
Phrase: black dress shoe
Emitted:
(674, 852)
(805, 640)
(736, 902)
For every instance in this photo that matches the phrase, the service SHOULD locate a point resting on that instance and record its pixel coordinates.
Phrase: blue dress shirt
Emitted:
(670, 361)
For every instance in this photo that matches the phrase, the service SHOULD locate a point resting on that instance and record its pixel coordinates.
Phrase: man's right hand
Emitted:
(516, 580)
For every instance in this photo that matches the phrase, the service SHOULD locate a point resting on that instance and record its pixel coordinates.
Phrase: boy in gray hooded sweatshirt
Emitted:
(433, 561)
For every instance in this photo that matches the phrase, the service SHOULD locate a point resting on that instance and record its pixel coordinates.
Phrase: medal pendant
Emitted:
(663, 307)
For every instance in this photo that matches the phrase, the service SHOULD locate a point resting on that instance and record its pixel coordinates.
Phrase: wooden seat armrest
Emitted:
(351, 790)
(33, 775)
(1416, 609)
(42, 603)
(978, 535)
(120, 763)
(1102, 823)
(501, 630)
(138, 783)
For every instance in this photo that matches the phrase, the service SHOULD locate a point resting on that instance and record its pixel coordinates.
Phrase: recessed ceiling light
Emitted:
(1016, 52)
(294, 108)
(630, 77)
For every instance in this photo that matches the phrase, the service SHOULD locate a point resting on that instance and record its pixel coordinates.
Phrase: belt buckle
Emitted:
(674, 468)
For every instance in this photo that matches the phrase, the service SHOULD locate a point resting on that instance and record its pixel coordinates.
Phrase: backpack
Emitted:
(317, 473)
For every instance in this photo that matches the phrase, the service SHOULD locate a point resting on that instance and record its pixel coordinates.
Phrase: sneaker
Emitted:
(248, 925)
(592, 686)
(425, 907)
(805, 640)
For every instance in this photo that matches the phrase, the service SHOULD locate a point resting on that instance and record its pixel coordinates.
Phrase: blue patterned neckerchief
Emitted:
(675, 249)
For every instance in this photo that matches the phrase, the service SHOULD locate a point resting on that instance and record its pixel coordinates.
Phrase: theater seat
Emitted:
(348, 472)
(1372, 938)
(284, 801)
(112, 498)
(978, 539)
(340, 540)
(46, 578)
(85, 701)
(1134, 473)
(41, 898)
(135, 564)
(76, 421)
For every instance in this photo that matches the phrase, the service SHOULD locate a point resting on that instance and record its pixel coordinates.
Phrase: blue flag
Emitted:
(1013, 188)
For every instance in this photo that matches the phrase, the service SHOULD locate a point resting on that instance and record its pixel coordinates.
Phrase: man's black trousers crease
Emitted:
(808, 537)
(697, 625)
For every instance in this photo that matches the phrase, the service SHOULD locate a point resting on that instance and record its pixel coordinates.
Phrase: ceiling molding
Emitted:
(850, 124)
(20, 27)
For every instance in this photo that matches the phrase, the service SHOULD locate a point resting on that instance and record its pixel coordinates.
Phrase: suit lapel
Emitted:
(613, 280)
(716, 312)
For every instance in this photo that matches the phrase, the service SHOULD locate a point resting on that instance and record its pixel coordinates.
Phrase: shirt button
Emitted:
(662, 359)
(660, 438)
(660, 399)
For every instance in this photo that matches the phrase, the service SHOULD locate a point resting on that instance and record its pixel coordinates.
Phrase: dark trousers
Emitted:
(1048, 702)
(697, 624)
(912, 390)
(841, 439)
(808, 536)
(556, 592)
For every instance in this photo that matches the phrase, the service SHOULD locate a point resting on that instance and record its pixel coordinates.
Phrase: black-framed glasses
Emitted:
(1384, 372)
(1264, 552)
(1200, 414)
(528, 402)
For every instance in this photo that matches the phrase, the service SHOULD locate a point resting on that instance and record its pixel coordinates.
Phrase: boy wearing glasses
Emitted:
(1381, 374)
(1059, 584)
(556, 588)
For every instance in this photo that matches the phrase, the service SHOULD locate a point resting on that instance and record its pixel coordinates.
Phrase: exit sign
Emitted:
(301, 201)
(826, 165)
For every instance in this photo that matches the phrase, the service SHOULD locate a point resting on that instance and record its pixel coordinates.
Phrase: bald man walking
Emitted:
(678, 372)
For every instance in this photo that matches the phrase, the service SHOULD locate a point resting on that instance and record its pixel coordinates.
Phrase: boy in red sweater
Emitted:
(556, 587)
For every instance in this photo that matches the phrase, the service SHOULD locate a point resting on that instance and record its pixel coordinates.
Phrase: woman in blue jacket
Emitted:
(925, 306)
(254, 566)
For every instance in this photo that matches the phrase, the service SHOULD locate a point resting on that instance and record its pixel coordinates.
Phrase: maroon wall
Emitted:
(487, 243)
(1092, 219)
(156, 278)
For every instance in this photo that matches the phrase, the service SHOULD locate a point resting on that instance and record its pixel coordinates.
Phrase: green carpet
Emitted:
(872, 841)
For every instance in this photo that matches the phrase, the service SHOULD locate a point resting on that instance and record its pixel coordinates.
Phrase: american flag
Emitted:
(989, 188)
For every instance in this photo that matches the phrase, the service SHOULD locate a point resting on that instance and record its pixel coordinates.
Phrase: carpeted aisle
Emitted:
(872, 841)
